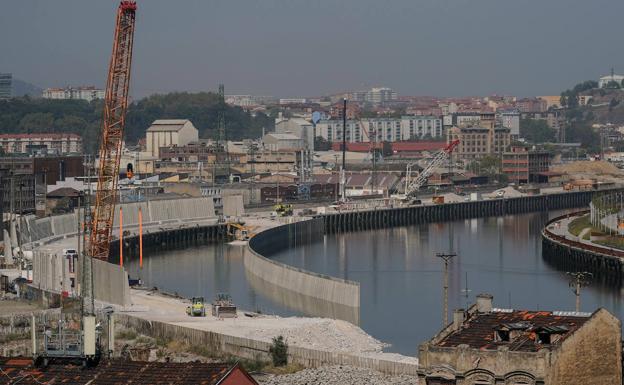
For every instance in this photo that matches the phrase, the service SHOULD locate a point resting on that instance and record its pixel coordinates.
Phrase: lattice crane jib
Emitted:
(412, 185)
(115, 106)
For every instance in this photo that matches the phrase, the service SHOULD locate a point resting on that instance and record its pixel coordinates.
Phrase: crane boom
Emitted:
(413, 185)
(115, 106)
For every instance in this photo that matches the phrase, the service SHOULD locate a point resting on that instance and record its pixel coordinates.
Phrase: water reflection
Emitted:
(400, 277)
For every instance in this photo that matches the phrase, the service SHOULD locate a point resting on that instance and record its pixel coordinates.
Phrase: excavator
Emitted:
(239, 231)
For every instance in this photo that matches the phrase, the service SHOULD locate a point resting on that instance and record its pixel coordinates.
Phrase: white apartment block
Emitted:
(376, 95)
(84, 93)
(382, 129)
(61, 143)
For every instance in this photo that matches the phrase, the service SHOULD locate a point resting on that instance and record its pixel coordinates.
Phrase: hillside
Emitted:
(29, 115)
(22, 88)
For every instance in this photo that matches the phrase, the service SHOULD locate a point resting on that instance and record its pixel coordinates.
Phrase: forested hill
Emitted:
(27, 115)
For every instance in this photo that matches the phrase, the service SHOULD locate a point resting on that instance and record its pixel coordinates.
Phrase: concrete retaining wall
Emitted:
(568, 254)
(254, 349)
(326, 288)
(42, 229)
(55, 273)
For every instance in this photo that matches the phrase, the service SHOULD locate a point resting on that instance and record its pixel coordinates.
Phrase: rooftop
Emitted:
(22, 370)
(520, 330)
(40, 136)
(167, 125)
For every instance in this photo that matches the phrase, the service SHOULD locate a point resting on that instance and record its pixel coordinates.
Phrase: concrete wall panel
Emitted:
(233, 206)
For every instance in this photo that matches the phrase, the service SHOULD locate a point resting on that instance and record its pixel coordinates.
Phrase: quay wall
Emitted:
(313, 285)
(54, 273)
(256, 349)
(348, 221)
(572, 255)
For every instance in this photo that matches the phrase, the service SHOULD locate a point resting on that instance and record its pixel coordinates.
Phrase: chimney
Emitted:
(458, 319)
(484, 303)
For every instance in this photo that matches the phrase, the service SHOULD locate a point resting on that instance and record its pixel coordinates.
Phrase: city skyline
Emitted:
(438, 48)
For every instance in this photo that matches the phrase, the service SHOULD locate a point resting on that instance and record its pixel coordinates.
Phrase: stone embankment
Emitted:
(339, 375)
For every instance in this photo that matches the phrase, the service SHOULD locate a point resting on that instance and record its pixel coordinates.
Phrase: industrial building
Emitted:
(486, 345)
(169, 132)
(522, 165)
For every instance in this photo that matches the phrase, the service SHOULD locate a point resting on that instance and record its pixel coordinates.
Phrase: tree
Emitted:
(321, 144)
(279, 351)
(613, 85)
(488, 165)
(536, 131)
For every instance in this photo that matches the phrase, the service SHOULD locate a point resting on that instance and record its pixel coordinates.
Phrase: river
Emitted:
(400, 276)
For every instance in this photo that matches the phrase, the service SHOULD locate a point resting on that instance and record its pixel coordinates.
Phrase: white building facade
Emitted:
(56, 143)
(383, 129)
(169, 132)
(84, 93)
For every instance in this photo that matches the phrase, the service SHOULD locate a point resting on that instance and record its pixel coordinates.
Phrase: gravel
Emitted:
(343, 375)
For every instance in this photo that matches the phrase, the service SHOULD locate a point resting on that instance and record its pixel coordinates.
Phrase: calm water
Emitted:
(400, 277)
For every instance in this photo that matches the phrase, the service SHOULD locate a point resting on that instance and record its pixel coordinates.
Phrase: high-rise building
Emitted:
(6, 85)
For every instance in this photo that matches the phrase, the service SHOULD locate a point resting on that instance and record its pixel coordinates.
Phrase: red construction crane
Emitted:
(115, 106)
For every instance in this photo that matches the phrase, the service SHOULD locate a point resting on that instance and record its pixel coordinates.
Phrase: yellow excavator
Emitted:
(239, 231)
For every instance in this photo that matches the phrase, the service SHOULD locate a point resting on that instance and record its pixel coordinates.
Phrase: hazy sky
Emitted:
(314, 47)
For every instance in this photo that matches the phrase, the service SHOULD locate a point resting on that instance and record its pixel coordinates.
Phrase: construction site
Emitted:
(224, 252)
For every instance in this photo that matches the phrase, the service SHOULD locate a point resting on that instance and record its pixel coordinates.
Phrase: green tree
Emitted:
(279, 351)
(36, 122)
(321, 144)
(536, 131)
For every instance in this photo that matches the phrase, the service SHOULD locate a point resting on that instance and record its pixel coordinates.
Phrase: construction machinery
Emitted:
(413, 184)
(239, 231)
(115, 107)
(283, 210)
(223, 306)
(197, 307)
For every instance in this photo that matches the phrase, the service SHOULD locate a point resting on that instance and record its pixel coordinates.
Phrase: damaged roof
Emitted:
(479, 330)
(21, 370)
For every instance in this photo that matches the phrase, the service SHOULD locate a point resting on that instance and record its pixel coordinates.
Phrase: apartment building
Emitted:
(382, 129)
(477, 142)
(54, 143)
(88, 93)
(6, 85)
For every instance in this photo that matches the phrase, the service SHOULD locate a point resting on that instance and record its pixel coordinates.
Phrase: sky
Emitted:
(297, 48)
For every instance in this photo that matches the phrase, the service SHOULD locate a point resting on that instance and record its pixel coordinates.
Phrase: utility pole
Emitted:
(222, 139)
(344, 150)
(577, 280)
(446, 258)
